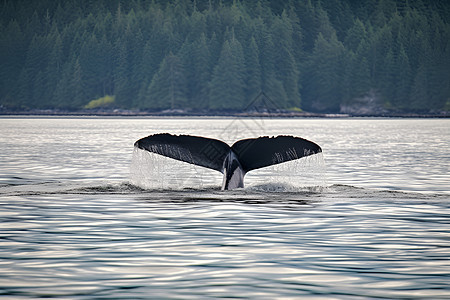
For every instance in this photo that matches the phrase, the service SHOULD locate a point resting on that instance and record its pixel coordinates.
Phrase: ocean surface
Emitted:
(84, 215)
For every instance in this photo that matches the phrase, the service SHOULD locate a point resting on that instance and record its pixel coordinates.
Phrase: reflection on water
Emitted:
(73, 227)
(116, 241)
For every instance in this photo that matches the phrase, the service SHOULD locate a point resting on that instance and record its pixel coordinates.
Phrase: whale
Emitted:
(232, 161)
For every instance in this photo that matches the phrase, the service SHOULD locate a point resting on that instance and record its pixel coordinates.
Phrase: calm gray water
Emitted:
(85, 216)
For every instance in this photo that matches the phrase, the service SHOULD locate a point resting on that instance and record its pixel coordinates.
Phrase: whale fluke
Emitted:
(205, 152)
(235, 161)
(266, 151)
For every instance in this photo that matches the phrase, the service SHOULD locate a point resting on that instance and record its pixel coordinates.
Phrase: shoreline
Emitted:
(179, 113)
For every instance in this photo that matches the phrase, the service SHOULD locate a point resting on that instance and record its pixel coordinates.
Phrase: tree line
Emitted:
(217, 55)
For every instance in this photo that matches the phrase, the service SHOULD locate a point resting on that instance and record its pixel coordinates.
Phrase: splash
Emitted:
(153, 171)
(307, 173)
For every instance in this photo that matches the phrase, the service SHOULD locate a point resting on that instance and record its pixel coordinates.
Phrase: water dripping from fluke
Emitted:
(277, 164)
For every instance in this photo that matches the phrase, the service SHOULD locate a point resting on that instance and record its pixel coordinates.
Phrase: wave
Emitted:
(258, 193)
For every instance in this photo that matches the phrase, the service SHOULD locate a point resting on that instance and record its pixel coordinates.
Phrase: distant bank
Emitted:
(184, 113)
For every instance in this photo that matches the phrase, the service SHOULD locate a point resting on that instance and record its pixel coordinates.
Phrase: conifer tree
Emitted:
(403, 81)
(168, 87)
(355, 36)
(253, 75)
(227, 87)
(324, 87)
(285, 64)
(62, 54)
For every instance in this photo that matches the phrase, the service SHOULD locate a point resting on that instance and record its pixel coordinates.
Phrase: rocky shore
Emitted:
(346, 112)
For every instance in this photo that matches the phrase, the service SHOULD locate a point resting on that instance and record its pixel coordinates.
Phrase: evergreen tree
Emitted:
(306, 14)
(419, 90)
(196, 61)
(168, 87)
(253, 76)
(286, 70)
(355, 36)
(403, 81)
(12, 56)
(227, 87)
(356, 77)
(387, 79)
(122, 75)
(69, 92)
(62, 54)
(324, 87)
(76, 87)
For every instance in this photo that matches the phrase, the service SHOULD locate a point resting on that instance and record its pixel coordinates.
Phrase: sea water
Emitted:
(86, 216)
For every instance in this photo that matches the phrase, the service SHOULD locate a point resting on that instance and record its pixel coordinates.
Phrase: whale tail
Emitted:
(235, 161)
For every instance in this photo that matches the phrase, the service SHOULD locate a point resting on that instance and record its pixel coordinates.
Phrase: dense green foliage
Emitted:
(219, 54)
(105, 101)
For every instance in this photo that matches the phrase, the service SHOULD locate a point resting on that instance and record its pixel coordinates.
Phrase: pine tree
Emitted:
(12, 57)
(286, 70)
(387, 79)
(78, 98)
(306, 14)
(324, 86)
(356, 77)
(121, 75)
(355, 36)
(329, 51)
(36, 61)
(168, 87)
(253, 75)
(403, 81)
(199, 70)
(227, 87)
(322, 23)
(419, 90)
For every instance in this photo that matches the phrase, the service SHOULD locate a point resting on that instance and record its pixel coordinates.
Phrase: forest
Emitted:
(217, 55)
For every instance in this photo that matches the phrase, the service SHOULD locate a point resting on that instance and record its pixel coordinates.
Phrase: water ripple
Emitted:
(212, 244)
(72, 227)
